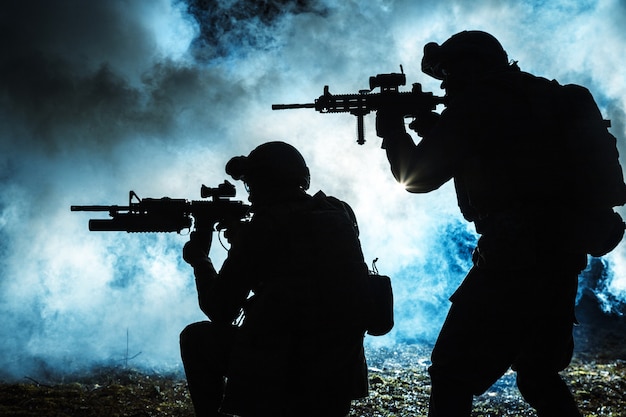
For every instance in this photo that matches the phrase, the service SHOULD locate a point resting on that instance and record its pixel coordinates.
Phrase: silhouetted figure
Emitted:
(540, 194)
(298, 350)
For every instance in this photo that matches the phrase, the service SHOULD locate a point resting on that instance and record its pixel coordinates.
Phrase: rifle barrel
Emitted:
(135, 223)
(293, 106)
(99, 208)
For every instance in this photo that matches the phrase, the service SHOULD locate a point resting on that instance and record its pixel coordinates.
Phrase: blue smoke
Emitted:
(102, 97)
(597, 281)
(422, 289)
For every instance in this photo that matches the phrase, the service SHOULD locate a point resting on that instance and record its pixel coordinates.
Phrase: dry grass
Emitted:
(399, 384)
(399, 390)
(398, 379)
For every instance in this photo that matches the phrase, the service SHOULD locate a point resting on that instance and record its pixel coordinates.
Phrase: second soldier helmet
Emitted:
(276, 163)
(480, 48)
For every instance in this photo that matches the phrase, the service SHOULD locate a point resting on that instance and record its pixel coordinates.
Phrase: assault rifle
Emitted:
(172, 214)
(409, 103)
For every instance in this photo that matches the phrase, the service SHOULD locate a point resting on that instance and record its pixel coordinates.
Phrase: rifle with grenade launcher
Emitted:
(408, 103)
(172, 214)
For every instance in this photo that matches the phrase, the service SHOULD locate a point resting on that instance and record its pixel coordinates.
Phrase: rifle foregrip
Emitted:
(360, 129)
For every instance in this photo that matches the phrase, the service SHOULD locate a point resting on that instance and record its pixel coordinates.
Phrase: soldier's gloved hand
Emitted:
(424, 122)
(196, 251)
(389, 123)
(232, 232)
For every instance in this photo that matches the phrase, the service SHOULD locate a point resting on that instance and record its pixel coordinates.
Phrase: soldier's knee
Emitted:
(194, 332)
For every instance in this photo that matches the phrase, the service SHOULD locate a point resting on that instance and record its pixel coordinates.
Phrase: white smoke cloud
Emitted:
(99, 98)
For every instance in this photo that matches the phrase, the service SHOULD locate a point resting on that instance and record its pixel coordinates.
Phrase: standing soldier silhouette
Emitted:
(536, 170)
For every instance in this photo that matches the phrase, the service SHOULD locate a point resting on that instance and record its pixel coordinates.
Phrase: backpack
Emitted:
(377, 293)
(591, 179)
(368, 295)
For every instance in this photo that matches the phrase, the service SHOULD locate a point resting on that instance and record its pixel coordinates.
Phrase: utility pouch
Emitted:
(379, 320)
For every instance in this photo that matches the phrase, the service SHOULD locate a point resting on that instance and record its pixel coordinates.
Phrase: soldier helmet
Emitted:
(273, 163)
(464, 52)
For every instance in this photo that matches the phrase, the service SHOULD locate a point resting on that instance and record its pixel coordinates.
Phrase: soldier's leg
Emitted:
(205, 349)
(472, 351)
(547, 393)
(449, 399)
(334, 408)
(548, 349)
